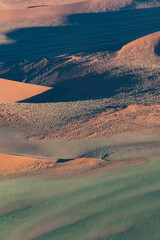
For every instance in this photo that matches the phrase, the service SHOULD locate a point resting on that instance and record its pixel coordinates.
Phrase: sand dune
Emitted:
(12, 165)
(134, 68)
(20, 14)
(147, 43)
(88, 5)
(11, 91)
(17, 165)
(143, 51)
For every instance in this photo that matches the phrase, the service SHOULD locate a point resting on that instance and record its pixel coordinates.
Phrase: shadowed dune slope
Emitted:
(11, 91)
(141, 53)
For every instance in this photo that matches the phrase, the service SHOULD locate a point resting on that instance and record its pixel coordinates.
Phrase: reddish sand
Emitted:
(26, 13)
(19, 165)
(12, 165)
(19, 9)
(141, 53)
(137, 119)
(85, 5)
(147, 43)
(11, 91)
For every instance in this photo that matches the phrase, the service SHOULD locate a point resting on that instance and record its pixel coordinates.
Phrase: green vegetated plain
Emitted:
(118, 204)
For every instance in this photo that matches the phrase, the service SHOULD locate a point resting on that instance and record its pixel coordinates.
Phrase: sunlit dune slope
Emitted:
(13, 165)
(34, 3)
(144, 51)
(21, 11)
(11, 91)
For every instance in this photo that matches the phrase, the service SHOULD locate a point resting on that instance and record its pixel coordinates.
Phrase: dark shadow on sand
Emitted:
(90, 87)
(61, 160)
(86, 33)
(157, 49)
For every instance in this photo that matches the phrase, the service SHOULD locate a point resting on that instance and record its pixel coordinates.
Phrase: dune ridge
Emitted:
(18, 165)
(11, 91)
(14, 166)
(142, 52)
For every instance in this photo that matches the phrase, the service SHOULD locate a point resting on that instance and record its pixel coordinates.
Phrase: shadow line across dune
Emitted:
(90, 87)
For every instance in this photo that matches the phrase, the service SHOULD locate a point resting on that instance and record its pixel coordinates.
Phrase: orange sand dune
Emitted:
(147, 43)
(143, 52)
(20, 14)
(11, 91)
(15, 164)
(12, 165)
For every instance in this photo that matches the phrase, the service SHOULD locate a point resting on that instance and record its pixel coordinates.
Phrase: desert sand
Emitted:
(88, 5)
(143, 52)
(19, 165)
(12, 166)
(54, 122)
(12, 91)
(144, 119)
(82, 100)
(118, 86)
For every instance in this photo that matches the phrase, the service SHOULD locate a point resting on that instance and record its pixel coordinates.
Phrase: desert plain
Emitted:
(79, 119)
